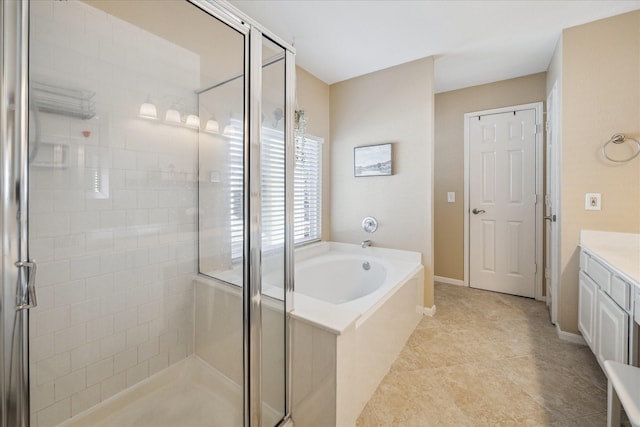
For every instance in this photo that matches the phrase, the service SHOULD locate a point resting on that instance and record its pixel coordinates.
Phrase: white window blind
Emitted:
(307, 190)
(273, 192)
(236, 188)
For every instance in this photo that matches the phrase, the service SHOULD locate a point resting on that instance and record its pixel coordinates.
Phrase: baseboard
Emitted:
(570, 337)
(449, 281)
(430, 311)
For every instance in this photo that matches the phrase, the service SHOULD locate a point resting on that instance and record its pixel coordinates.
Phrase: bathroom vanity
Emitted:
(609, 294)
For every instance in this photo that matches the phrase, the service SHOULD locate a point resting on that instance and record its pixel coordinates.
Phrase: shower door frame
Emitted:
(14, 196)
(252, 289)
(14, 185)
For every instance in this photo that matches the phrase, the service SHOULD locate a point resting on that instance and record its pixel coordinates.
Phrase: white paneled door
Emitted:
(502, 201)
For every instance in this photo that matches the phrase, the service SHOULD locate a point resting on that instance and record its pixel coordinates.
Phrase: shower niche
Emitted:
(159, 303)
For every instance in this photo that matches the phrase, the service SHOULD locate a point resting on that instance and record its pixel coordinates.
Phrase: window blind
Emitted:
(236, 189)
(307, 190)
(273, 191)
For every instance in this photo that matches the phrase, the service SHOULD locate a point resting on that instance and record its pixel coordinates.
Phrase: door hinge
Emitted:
(539, 128)
(28, 297)
(535, 268)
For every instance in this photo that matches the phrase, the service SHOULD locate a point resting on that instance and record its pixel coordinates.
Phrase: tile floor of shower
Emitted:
(484, 359)
(188, 394)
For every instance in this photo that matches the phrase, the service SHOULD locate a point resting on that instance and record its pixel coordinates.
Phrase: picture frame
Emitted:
(373, 160)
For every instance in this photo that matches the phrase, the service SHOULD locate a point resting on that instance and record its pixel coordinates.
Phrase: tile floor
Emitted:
(187, 394)
(489, 359)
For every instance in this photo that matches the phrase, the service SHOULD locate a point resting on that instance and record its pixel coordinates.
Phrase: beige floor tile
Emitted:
(555, 387)
(412, 399)
(488, 397)
(488, 359)
(594, 420)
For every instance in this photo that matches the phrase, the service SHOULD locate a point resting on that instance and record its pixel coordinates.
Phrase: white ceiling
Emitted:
(474, 42)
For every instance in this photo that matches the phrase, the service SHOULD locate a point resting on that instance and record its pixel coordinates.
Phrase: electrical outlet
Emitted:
(451, 197)
(592, 201)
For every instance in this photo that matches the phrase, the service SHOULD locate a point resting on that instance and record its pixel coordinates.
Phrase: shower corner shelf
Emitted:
(53, 153)
(76, 103)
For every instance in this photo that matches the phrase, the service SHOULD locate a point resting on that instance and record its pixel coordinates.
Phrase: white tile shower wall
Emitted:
(215, 155)
(112, 228)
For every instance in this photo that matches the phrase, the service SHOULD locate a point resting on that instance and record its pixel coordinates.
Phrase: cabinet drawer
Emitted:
(620, 293)
(600, 274)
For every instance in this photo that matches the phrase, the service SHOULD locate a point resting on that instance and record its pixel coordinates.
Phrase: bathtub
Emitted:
(340, 278)
(353, 310)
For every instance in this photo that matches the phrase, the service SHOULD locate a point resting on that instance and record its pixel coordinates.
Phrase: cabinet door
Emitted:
(587, 309)
(612, 329)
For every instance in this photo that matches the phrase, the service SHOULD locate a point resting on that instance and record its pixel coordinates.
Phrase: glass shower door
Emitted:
(119, 118)
(274, 232)
(126, 140)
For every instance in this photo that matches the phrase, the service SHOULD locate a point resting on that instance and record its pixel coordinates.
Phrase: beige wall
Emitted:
(313, 97)
(450, 108)
(393, 105)
(601, 97)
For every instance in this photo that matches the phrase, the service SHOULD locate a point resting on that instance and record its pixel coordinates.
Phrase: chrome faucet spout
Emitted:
(365, 243)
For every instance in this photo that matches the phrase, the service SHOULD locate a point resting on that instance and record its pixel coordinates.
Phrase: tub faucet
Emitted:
(365, 243)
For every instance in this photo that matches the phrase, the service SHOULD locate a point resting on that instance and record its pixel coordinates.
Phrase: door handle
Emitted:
(551, 218)
(28, 299)
(478, 211)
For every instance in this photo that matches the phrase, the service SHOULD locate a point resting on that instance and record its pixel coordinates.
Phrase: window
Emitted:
(307, 190)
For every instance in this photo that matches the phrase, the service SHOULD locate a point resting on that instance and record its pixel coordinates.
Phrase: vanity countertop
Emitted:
(620, 250)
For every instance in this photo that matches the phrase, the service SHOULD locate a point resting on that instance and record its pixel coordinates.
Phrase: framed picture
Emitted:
(373, 160)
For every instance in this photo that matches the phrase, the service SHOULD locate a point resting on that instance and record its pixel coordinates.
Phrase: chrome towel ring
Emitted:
(619, 139)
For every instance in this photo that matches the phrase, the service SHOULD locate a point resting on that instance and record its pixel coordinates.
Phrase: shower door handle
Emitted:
(28, 295)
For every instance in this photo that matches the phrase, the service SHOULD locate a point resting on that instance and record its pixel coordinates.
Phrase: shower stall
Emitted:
(146, 174)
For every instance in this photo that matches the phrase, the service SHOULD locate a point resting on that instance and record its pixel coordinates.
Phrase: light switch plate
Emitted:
(592, 201)
(451, 197)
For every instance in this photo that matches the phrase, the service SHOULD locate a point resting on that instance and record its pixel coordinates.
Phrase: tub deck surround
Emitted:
(304, 253)
(398, 267)
(329, 317)
(342, 351)
(620, 250)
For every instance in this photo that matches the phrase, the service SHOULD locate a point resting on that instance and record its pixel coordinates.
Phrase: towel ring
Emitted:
(619, 139)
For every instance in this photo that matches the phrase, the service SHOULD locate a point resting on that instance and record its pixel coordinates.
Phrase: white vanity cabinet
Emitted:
(603, 323)
(588, 292)
(612, 330)
(608, 298)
